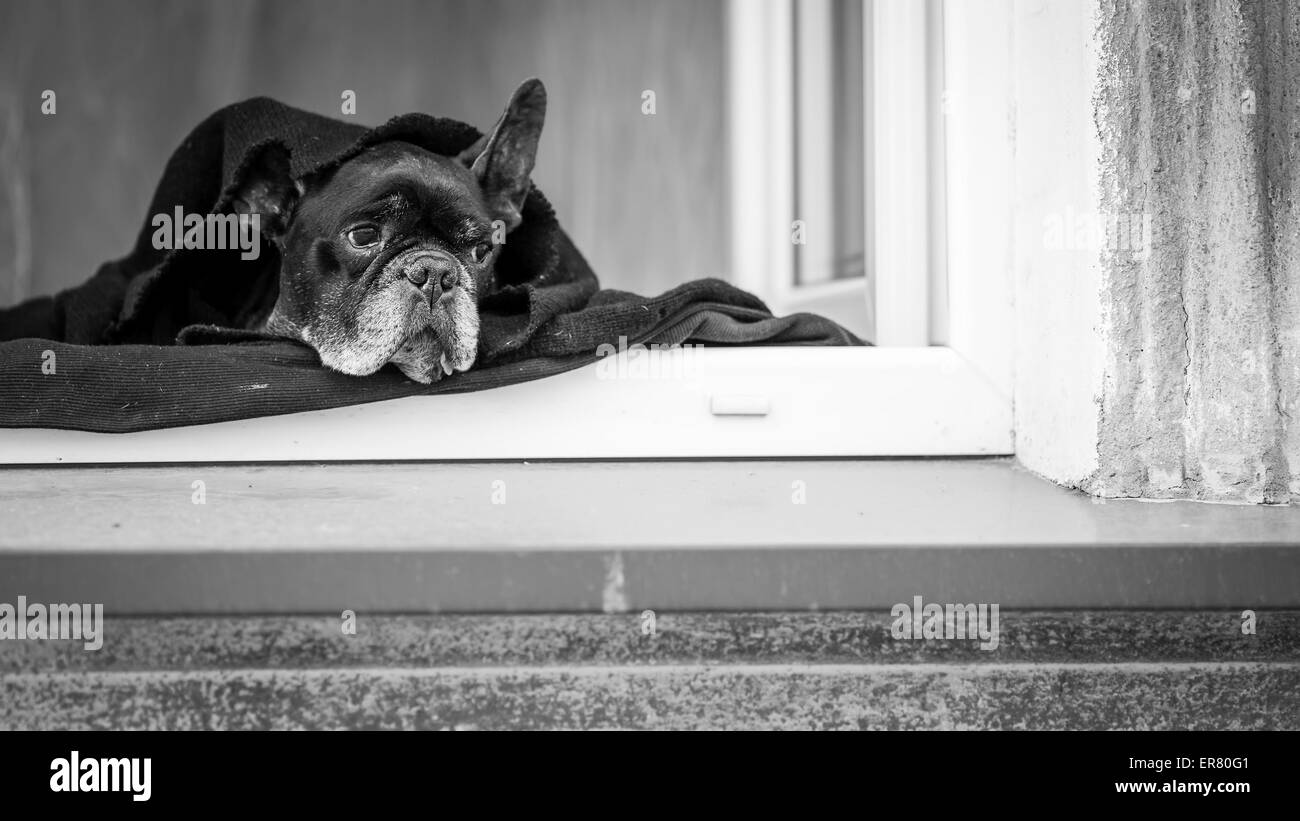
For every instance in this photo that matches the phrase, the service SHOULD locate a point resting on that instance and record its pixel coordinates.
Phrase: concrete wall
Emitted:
(1198, 115)
(1195, 265)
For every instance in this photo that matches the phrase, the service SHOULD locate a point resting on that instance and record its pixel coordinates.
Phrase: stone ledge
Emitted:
(947, 697)
(1090, 670)
(593, 537)
(423, 641)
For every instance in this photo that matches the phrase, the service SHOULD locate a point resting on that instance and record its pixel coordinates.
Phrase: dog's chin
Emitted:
(421, 358)
(424, 345)
(441, 342)
(354, 358)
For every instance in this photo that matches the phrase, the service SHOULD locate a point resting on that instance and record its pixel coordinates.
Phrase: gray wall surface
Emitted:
(643, 196)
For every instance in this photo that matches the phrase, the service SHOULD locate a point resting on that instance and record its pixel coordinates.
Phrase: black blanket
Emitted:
(152, 340)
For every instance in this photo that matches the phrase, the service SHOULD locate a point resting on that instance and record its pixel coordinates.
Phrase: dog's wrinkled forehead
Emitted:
(396, 179)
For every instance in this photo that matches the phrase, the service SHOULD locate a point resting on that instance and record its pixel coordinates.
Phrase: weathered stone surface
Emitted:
(1050, 696)
(426, 641)
(1198, 115)
(1103, 670)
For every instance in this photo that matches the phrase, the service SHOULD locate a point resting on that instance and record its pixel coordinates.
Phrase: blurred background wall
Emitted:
(643, 195)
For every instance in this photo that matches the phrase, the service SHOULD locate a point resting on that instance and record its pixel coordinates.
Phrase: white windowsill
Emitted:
(839, 402)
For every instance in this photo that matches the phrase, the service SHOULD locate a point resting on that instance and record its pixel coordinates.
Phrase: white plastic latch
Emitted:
(731, 404)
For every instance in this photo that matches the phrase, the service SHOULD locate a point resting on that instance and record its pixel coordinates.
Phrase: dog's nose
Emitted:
(435, 274)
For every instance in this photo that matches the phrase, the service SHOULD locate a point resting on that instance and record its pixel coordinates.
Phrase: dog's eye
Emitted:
(481, 251)
(363, 236)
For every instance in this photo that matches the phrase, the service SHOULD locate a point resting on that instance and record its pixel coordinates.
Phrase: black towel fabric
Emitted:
(153, 340)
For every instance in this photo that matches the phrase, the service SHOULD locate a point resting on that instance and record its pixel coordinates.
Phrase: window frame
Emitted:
(909, 396)
(940, 251)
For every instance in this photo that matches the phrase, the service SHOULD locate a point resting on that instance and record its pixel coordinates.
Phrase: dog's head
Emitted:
(385, 258)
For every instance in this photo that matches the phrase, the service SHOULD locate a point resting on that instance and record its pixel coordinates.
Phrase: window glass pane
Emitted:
(829, 138)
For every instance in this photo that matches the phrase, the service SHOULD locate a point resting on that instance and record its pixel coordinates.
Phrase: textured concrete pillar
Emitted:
(1199, 118)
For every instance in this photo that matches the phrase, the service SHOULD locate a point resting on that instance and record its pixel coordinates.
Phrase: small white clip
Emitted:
(739, 405)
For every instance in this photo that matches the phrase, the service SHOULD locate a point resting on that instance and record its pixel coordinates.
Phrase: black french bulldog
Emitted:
(386, 258)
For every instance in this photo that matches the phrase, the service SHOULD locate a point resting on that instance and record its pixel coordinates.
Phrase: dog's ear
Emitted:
(268, 189)
(503, 158)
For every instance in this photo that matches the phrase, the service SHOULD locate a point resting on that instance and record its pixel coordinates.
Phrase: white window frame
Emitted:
(909, 396)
